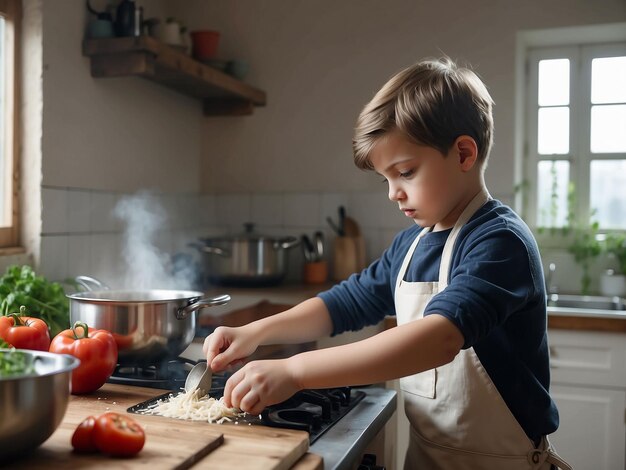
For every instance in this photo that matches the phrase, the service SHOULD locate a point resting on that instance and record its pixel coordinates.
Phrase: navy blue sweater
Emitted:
(495, 296)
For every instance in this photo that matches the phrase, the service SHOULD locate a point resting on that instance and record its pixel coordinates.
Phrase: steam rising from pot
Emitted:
(147, 267)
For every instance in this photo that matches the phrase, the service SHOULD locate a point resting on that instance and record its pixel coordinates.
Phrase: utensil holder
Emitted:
(315, 272)
(348, 256)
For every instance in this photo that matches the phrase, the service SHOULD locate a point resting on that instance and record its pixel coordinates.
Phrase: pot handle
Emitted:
(286, 243)
(184, 312)
(87, 283)
(213, 250)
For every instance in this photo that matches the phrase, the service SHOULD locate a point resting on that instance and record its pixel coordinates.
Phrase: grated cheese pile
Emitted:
(188, 406)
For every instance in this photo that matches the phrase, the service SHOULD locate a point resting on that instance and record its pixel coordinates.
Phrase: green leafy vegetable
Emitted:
(43, 299)
(14, 363)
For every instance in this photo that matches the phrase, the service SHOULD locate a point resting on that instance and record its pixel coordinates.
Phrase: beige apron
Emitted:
(455, 410)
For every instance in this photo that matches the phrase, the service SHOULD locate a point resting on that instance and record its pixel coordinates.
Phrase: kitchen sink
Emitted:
(586, 302)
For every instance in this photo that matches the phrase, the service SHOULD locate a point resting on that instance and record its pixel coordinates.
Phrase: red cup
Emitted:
(204, 44)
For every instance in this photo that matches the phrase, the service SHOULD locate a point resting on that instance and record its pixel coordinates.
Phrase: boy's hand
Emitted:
(259, 384)
(227, 346)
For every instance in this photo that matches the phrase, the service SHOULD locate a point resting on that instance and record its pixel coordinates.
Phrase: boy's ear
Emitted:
(467, 151)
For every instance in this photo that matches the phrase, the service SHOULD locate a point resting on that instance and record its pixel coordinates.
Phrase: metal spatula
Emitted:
(199, 377)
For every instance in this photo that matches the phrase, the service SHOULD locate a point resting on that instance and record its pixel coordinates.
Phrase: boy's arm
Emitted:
(305, 322)
(401, 351)
(404, 350)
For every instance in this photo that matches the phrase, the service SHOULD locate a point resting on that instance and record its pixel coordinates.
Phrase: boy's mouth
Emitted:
(408, 212)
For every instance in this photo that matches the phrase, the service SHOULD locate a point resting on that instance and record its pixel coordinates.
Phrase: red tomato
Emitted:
(118, 435)
(24, 332)
(96, 350)
(83, 438)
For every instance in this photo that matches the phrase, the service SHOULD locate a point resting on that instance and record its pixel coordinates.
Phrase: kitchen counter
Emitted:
(291, 294)
(182, 444)
(172, 443)
(287, 293)
(578, 319)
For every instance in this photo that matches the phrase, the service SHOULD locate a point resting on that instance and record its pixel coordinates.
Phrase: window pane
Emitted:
(608, 128)
(552, 188)
(553, 82)
(553, 131)
(608, 80)
(608, 198)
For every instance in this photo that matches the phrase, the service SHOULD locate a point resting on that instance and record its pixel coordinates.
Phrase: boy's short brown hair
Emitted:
(433, 102)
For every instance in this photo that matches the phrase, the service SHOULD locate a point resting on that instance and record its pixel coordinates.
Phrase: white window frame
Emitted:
(9, 229)
(579, 45)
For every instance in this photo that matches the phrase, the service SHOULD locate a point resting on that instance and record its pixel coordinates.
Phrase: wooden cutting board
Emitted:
(169, 443)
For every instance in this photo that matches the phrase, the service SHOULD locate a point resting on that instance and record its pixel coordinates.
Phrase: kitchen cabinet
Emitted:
(588, 372)
(146, 57)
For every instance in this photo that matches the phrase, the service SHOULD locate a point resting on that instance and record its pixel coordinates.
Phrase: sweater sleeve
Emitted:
(366, 298)
(491, 280)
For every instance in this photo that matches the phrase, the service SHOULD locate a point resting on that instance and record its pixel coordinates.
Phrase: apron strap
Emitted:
(446, 257)
(537, 457)
(409, 255)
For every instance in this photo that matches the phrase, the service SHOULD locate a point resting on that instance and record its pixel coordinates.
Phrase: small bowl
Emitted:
(33, 405)
(238, 68)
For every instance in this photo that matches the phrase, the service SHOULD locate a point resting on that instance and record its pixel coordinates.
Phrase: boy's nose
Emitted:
(395, 193)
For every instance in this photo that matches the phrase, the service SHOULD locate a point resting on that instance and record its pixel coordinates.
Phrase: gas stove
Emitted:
(340, 421)
(313, 411)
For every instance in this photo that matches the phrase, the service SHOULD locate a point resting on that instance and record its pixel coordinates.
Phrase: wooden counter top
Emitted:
(567, 322)
(587, 323)
(173, 443)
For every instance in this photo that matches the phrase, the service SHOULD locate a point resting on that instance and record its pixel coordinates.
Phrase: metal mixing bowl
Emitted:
(33, 405)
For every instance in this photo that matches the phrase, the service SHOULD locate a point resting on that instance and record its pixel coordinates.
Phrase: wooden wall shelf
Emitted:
(146, 57)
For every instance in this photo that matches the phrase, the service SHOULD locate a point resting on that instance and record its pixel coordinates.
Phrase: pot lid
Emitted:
(130, 296)
(248, 234)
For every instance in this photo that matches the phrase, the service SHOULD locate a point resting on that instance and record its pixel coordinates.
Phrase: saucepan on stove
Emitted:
(149, 326)
(247, 259)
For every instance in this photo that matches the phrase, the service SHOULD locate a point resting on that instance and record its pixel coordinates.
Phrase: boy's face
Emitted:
(431, 188)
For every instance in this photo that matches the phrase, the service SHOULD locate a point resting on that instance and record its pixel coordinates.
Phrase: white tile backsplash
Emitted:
(54, 259)
(54, 210)
(267, 209)
(233, 210)
(330, 203)
(81, 235)
(302, 209)
(207, 213)
(107, 260)
(79, 255)
(79, 211)
(375, 210)
(102, 218)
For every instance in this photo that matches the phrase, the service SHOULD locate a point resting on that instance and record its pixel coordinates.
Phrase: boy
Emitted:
(465, 284)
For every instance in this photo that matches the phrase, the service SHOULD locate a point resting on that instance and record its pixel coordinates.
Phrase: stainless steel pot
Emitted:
(248, 259)
(149, 326)
(33, 405)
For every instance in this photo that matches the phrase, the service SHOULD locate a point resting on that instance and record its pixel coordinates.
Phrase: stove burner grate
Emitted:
(313, 411)
(166, 375)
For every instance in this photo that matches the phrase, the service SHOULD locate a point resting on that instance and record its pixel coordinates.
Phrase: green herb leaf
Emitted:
(43, 299)
(14, 363)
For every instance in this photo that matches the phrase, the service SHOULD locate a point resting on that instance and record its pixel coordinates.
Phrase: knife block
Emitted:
(348, 256)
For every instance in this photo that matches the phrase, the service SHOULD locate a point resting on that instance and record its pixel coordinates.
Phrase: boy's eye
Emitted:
(406, 174)
(384, 180)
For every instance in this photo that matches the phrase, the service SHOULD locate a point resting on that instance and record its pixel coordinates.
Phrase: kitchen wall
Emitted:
(102, 140)
(287, 166)
(320, 62)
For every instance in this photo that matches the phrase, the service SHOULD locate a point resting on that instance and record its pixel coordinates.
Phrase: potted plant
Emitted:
(585, 247)
(613, 281)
